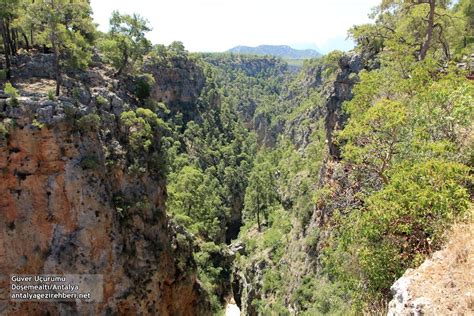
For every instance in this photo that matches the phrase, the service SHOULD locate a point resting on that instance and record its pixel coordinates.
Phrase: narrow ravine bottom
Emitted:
(232, 309)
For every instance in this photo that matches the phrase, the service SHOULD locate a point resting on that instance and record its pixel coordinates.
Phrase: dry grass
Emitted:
(447, 280)
(36, 85)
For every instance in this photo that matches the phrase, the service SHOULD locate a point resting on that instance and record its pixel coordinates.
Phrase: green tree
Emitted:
(194, 200)
(144, 129)
(466, 8)
(24, 24)
(405, 221)
(65, 26)
(412, 27)
(373, 140)
(8, 9)
(125, 44)
(260, 194)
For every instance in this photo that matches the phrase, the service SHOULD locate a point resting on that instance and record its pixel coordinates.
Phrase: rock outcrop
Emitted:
(178, 83)
(334, 91)
(443, 284)
(71, 202)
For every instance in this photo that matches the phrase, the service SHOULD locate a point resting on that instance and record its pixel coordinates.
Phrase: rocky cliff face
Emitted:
(178, 83)
(334, 93)
(72, 202)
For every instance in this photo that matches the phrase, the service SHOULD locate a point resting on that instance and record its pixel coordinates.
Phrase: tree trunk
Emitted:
(32, 42)
(258, 219)
(429, 31)
(444, 43)
(14, 40)
(57, 69)
(124, 63)
(26, 41)
(17, 39)
(10, 42)
(31, 37)
(6, 37)
(258, 212)
(6, 48)
(54, 44)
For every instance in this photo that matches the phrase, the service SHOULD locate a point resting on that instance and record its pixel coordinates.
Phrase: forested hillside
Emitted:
(282, 51)
(190, 179)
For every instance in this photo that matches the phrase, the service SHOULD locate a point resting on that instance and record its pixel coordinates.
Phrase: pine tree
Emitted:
(65, 26)
(8, 10)
(126, 43)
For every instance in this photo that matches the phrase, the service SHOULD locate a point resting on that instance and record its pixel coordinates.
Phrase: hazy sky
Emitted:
(217, 25)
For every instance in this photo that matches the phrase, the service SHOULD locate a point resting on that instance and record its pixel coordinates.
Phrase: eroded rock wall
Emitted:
(69, 204)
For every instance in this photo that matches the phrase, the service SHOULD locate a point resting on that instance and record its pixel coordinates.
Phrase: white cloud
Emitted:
(217, 25)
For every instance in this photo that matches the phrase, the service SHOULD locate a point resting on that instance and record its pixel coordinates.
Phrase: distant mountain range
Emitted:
(283, 51)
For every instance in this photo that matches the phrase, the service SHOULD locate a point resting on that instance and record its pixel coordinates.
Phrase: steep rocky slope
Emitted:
(443, 284)
(73, 201)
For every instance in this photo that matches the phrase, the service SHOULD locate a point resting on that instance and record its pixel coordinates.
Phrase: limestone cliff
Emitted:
(72, 200)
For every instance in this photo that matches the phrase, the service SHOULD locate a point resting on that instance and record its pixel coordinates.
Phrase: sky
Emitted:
(218, 25)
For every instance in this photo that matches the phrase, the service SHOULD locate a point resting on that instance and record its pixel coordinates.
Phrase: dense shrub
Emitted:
(142, 127)
(143, 86)
(101, 101)
(13, 93)
(89, 123)
(90, 162)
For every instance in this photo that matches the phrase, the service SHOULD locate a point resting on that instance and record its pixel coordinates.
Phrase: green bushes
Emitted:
(70, 111)
(398, 228)
(101, 101)
(3, 130)
(13, 93)
(312, 238)
(331, 63)
(90, 162)
(139, 128)
(143, 86)
(406, 142)
(272, 281)
(406, 220)
(76, 93)
(37, 124)
(142, 126)
(190, 201)
(210, 274)
(319, 296)
(88, 123)
(51, 95)
(5, 126)
(375, 137)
